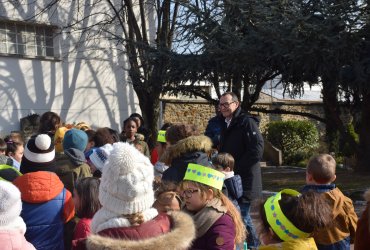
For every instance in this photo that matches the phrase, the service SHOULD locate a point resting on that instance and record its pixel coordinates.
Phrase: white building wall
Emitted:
(88, 82)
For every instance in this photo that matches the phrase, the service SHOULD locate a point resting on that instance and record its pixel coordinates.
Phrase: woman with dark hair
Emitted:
(141, 127)
(130, 135)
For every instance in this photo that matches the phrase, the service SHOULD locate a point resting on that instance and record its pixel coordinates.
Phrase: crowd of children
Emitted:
(72, 187)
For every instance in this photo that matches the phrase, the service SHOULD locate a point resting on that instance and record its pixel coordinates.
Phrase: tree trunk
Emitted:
(149, 105)
(363, 152)
(331, 111)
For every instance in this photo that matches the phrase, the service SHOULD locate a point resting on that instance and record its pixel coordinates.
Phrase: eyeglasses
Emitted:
(225, 104)
(188, 193)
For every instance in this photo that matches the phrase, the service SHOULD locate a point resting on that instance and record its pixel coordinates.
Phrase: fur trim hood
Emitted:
(180, 237)
(190, 144)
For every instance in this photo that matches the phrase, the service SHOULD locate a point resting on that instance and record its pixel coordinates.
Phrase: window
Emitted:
(26, 39)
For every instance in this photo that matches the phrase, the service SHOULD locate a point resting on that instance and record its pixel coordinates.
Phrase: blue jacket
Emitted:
(45, 232)
(46, 206)
(234, 189)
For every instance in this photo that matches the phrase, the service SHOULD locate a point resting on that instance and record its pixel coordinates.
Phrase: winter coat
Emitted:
(192, 149)
(82, 231)
(243, 140)
(46, 206)
(362, 240)
(221, 235)
(14, 240)
(234, 189)
(174, 231)
(71, 166)
(8, 173)
(298, 244)
(344, 216)
(140, 140)
(213, 129)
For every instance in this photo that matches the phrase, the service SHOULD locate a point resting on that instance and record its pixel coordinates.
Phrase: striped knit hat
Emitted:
(39, 155)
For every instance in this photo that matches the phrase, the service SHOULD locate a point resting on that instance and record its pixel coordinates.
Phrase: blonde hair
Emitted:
(322, 168)
(240, 230)
(135, 219)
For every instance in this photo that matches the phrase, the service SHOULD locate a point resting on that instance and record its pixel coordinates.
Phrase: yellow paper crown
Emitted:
(278, 221)
(204, 175)
(161, 136)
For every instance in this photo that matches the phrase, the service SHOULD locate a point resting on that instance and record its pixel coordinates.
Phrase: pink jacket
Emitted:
(14, 240)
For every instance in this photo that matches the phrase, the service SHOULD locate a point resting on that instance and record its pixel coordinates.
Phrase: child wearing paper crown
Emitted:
(217, 220)
(319, 177)
(159, 166)
(288, 219)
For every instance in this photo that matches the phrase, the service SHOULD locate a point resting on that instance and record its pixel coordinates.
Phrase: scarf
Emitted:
(208, 215)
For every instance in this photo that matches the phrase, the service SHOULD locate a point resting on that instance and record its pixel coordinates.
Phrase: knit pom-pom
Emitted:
(43, 141)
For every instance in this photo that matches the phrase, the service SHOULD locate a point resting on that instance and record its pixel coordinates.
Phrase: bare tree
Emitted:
(143, 32)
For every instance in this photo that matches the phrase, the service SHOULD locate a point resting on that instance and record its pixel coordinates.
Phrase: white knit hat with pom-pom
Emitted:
(127, 181)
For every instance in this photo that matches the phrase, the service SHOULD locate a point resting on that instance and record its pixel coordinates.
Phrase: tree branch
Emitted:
(288, 112)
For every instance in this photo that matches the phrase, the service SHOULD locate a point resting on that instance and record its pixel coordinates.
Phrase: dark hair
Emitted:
(88, 191)
(308, 211)
(178, 132)
(102, 137)
(137, 115)
(3, 145)
(11, 146)
(130, 119)
(234, 97)
(115, 135)
(49, 122)
(166, 126)
(224, 160)
(90, 134)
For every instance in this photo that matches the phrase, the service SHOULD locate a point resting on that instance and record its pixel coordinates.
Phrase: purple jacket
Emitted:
(221, 235)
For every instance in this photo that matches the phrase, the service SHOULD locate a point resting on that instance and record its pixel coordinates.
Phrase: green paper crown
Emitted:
(161, 136)
(278, 221)
(204, 175)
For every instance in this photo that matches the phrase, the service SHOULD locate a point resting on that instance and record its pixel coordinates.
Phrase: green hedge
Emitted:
(296, 139)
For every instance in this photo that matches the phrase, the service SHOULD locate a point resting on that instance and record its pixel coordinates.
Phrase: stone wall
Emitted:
(189, 112)
(199, 112)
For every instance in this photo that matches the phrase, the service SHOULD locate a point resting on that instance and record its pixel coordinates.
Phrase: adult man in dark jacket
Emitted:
(241, 138)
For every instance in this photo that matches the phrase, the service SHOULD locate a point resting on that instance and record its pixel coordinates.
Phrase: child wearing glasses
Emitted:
(288, 219)
(217, 220)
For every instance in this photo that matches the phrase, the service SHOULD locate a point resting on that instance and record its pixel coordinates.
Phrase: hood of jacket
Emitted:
(190, 144)
(77, 157)
(240, 114)
(180, 237)
(37, 187)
